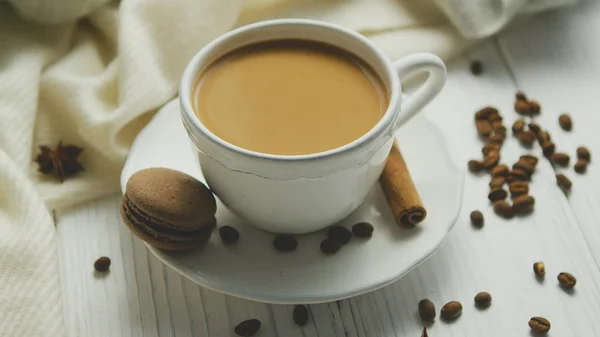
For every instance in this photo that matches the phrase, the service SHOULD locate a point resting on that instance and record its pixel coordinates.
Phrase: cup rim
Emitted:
(191, 71)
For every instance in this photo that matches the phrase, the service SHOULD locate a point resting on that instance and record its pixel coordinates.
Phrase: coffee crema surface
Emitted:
(289, 97)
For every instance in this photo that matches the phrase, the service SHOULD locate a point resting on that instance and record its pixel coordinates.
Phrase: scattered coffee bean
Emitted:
(520, 96)
(248, 328)
(497, 182)
(477, 219)
(548, 148)
(518, 126)
(491, 159)
(483, 299)
(476, 68)
(563, 182)
(362, 230)
(484, 128)
(427, 310)
(300, 315)
(543, 137)
(518, 174)
(565, 122)
(485, 113)
(102, 264)
(583, 153)
(285, 243)
(497, 194)
(581, 166)
(525, 166)
(526, 137)
(329, 246)
(529, 158)
(339, 234)
(496, 138)
(535, 128)
(489, 147)
(560, 158)
(539, 268)
(499, 170)
(494, 116)
(567, 280)
(229, 234)
(523, 204)
(499, 127)
(475, 166)
(424, 333)
(539, 325)
(503, 208)
(534, 107)
(451, 310)
(522, 107)
(518, 188)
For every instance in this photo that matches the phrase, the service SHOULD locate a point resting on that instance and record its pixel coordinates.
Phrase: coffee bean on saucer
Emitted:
(451, 310)
(285, 243)
(477, 219)
(248, 328)
(229, 234)
(102, 264)
(300, 315)
(362, 230)
(427, 310)
(565, 122)
(539, 325)
(329, 246)
(339, 234)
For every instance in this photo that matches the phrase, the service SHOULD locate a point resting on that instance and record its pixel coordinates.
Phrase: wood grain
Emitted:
(552, 58)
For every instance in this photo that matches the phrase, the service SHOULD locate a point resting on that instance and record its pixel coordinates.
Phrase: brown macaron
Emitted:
(169, 209)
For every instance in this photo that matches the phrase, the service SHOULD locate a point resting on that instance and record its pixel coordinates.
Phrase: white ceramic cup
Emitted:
(304, 193)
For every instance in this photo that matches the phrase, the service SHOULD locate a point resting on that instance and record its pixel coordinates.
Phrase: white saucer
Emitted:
(252, 269)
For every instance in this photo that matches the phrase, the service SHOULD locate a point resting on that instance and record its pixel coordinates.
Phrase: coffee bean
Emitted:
(518, 188)
(525, 166)
(497, 182)
(498, 127)
(581, 166)
(563, 182)
(494, 116)
(535, 128)
(451, 310)
(484, 128)
(476, 68)
(548, 148)
(583, 153)
(475, 166)
(477, 219)
(248, 328)
(497, 194)
(520, 96)
(300, 315)
(362, 230)
(565, 122)
(339, 234)
(491, 160)
(518, 126)
(522, 107)
(427, 310)
(499, 170)
(539, 325)
(485, 113)
(530, 159)
(229, 234)
(517, 174)
(523, 204)
(483, 299)
(534, 107)
(503, 208)
(526, 137)
(567, 280)
(560, 158)
(285, 243)
(489, 147)
(102, 264)
(329, 246)
(539, 268)
(424, 333)
(496, 138)
(543, 137)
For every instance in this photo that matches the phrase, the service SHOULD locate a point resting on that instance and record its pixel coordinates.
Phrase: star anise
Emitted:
(61, 162)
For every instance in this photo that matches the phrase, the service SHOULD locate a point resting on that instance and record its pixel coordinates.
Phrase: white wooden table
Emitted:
(555, 59)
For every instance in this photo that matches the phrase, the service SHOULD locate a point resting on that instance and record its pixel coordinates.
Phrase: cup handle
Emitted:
(410, 65)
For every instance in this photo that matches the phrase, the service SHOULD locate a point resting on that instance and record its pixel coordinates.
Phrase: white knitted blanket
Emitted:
(92, 73)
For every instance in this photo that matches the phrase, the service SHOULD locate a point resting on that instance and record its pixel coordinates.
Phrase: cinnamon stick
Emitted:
(400, 191)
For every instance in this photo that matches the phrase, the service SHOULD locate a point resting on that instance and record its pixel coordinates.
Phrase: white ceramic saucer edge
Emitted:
(196, 277)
